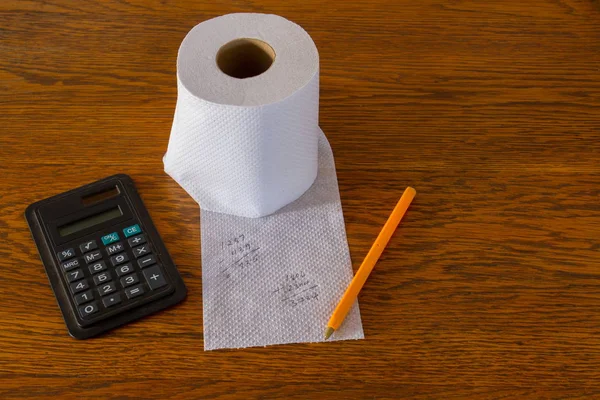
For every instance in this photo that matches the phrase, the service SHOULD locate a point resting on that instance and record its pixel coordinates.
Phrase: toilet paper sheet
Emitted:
(278, 278)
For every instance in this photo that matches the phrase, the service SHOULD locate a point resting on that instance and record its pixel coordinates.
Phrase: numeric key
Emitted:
(101, 278)
(80, 286)
(87, 310)
(84, 297)
(119, 259)
(97, 267)
(74, 275)
(107, 288)
(129, 280)
(124, 269)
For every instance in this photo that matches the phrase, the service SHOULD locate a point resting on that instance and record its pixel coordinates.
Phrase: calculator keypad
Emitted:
(108, 281)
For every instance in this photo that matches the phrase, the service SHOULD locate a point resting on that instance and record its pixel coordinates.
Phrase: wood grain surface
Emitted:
(490, 109)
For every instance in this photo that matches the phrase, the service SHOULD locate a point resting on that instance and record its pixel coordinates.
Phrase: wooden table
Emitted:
(490, 109)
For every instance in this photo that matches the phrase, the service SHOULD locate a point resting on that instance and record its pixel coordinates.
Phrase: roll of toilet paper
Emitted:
(244, 139)
(245, 142)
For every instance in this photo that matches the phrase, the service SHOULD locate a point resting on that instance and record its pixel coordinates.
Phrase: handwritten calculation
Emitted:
(297, 289)
(237, 253)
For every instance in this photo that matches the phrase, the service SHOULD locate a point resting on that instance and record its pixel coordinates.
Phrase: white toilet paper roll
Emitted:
(245, 132)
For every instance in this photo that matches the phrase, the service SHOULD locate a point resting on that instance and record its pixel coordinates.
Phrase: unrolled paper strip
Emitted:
(275, 258)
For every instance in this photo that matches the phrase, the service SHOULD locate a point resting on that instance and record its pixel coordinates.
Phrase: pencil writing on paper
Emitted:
(237, 253)
(297, 289)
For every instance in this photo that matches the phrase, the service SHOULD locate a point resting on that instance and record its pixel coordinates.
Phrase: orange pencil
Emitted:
(369, 262)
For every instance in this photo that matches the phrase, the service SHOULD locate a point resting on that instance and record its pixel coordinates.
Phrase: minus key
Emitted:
(146, 261)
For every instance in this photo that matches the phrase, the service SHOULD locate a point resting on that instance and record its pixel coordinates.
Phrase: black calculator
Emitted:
(104, 259)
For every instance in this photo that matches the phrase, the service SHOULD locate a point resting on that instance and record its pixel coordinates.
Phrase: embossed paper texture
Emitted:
(278, 278)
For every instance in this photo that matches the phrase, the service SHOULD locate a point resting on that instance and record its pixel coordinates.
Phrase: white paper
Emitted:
(275, 258)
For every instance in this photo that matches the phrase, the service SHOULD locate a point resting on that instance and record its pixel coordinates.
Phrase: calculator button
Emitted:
(101, 278)
(93, 256)
(155, 278)
(146, 261)
(110, 238)
(111, 300)
(74, 275)
(80, 286)
(66, 254)
(134, 291)
(84, 297)
(124, 269)
(141, 250)
(114, 248)
(68, 265)
(132, 230)
(88, 246)
(106, 288)
(119, 259)
(97, 267)
(134, 241)
(129, 280)
(88, 309)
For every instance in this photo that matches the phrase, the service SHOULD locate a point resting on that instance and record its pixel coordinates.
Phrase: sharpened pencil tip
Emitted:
(329, 332)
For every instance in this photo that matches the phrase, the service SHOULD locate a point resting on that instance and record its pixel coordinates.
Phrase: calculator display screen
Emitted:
(90, 221)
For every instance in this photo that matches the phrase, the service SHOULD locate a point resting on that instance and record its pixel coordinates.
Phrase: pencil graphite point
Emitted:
(328, 332)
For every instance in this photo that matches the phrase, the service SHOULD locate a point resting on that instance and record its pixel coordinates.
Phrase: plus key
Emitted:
(154, 277)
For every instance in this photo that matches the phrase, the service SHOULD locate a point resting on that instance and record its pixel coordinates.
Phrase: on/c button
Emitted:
(132, 230)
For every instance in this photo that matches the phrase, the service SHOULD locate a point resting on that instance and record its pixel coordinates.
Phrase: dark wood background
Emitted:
(490, 109)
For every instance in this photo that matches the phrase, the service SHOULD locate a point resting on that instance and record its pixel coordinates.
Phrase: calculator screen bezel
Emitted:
(71, 207)
(121, 203)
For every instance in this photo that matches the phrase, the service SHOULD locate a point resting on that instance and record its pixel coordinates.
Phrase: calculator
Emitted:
(104, 258)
